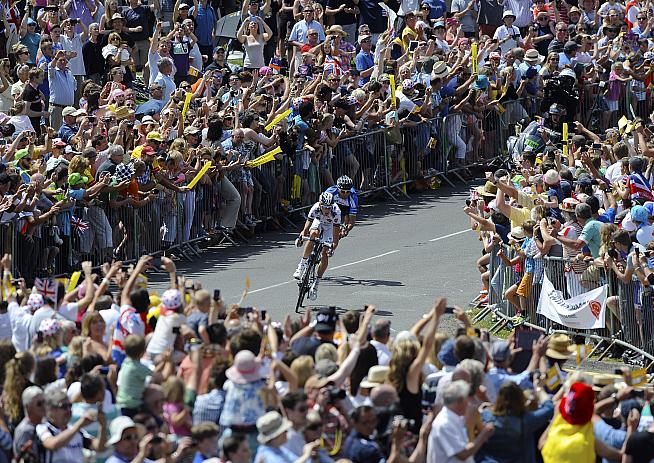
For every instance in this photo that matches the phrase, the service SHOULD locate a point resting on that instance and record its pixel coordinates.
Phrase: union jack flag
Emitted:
(46, 287)
(474, 195)
(639, 187)
(79, 225)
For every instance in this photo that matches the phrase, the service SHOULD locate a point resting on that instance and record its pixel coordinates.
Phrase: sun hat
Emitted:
(70, 111)
(49, 327)
(336, 29)
(578, 404)
(376, 375)
(508, 13)
(148, 120)
(533, 57)
(639, 214)
(76, 178)
(481, 83)
(600, 381)
(558, 347)
(245, 368)
(326, 367)
(117, 427)
(123, 113)
(117, 16)
(271, 425)
(489, 189)
(517, 233)
(123, 172)
(191, 130)
(569, 204)
(440, 70)
(35, 301)
(172, 299)
(156, 136)
(551, 177)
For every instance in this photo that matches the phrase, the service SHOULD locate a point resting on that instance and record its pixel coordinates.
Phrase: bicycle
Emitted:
(309, 275)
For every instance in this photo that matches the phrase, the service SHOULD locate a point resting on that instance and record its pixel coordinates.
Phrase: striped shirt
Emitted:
(209, 406)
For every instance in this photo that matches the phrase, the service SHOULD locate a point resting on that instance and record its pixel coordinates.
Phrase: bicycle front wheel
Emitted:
(305, 283)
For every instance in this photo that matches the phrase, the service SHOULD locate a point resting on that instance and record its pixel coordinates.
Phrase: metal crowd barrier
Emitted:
(629, 331)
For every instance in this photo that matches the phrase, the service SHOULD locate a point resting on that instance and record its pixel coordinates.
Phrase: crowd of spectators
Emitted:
(108, 112)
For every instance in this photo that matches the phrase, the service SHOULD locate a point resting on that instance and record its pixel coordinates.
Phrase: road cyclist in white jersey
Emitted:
(324, 223)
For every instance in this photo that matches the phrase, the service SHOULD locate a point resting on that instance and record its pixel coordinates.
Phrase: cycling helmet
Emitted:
(557, 109)
(344, 182)
(326, 199)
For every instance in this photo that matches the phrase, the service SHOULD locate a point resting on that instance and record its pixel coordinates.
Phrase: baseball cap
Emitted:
(156, 136)
(577, 406)
(326, 320)
(20, 154)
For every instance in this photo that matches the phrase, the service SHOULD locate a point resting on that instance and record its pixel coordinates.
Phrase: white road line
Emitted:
(450, 235)
(271, 286)
(355, 262)
(363, 260)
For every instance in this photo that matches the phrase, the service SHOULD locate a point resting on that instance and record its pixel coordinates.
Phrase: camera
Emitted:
(613, 253)
(336, 394)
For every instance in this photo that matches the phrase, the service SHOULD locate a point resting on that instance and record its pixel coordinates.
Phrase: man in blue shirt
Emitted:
(62, 86)
(365, 60)
(205, 20)
(69, 128)
(299, 34)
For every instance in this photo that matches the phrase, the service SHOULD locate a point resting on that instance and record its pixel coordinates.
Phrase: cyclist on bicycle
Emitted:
(323, 222)
(345, 197)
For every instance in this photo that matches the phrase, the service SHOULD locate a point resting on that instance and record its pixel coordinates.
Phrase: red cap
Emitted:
(578, 405)
(147, 150)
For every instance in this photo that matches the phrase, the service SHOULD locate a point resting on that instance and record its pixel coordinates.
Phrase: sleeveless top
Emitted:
(411, 406)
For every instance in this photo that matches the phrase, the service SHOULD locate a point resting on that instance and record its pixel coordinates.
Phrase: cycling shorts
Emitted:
(327, 231)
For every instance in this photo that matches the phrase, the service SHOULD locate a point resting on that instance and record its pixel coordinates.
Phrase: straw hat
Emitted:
(489, 189)
(559, 347)
(600, 381)
(336, 29)
(271, 425)
(376, 375)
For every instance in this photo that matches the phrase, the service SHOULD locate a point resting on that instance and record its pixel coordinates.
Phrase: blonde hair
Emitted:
(439, 339)
(78, 164)
(326, 351)
(76, 346)
(173, 389)
(89, 317)
(17, 371)
(303, 369)
(402, 356)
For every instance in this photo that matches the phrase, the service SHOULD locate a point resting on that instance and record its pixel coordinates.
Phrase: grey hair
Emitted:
(163, 62)
(55, 397)
(22, 68)
(116, 150)
(455, 391)
(29, 394)
(476, 371)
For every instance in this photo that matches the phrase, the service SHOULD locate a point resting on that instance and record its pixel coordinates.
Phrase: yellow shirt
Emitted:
(519, 215)
(569, 443)
(408, 35)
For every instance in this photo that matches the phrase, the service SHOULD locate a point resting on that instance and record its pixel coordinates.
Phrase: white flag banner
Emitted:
(584, 311)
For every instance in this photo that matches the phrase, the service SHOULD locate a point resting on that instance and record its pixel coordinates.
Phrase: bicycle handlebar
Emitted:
(315, 240)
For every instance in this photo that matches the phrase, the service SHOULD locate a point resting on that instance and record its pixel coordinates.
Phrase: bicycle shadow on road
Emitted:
(346, 280)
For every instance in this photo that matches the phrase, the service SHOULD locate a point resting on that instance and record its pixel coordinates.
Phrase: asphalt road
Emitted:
(399, 257)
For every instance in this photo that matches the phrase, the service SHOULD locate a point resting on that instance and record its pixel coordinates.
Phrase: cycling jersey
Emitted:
(325, 222)
(349, 205)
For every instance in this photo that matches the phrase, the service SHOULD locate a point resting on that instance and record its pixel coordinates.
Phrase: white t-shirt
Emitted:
(153, 62)
(110, 317)
(76, 64)
(383, 353)
(614, 172)
(447, 438)
(163, 336)
(71, 452)
(503, 32)
(20, 319)
(644, 235)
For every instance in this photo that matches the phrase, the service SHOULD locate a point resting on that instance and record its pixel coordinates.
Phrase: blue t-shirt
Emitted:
(205, 22)
(437, 8)
(364, 61)
(301, 128)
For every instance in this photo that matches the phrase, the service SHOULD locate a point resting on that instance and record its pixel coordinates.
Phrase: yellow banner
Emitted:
(582, 352)
(278, 119)
(264, 158)
(74, 279)
(565, 138)
(187, 103)
(392, 78)
(473, 57)
(199, 175)
(553, 379)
